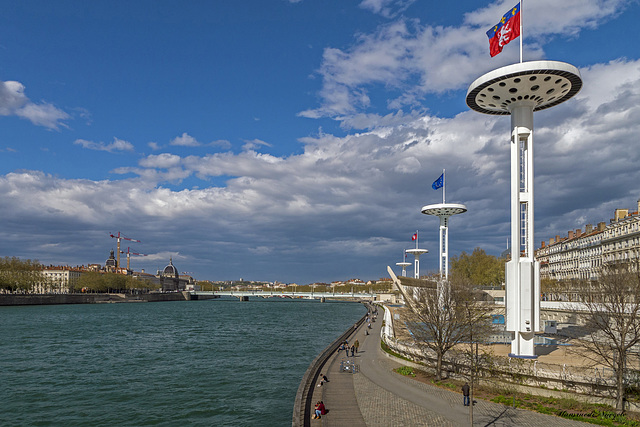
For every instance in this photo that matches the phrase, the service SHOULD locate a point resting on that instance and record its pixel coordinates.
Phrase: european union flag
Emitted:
(438, 183)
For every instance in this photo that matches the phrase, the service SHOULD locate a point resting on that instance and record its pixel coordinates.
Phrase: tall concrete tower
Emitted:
(519, 90)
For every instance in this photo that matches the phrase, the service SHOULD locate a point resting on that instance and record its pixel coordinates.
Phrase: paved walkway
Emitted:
(376, 396)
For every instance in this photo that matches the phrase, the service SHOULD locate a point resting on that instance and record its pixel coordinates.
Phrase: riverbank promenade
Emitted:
(377, 396)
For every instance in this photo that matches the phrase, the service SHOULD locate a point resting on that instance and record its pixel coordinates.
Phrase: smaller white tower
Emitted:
(416, 265)
(444, 211)
(404, 264)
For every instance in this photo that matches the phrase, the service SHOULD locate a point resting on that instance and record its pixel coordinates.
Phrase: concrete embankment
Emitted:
(53, 299)
(303, 403)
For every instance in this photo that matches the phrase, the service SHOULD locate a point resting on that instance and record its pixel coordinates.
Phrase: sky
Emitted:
(297, 140)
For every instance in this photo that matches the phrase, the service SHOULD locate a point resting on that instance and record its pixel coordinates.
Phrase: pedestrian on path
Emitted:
(356, 344)
(465, 394)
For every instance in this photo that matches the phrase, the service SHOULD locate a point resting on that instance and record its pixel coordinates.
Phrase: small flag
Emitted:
(438, 182)
(414, 237)
(506, 30)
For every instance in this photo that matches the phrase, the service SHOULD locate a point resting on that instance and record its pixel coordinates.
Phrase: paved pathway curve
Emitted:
(378, 397)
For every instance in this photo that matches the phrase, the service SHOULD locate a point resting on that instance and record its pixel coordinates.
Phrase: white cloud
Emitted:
(185, 140)
(222, 143)
(164, 161)
(12, 97)
(254, 144)
(13, 102)
(386, 8)
(116, 145)
(416, 60)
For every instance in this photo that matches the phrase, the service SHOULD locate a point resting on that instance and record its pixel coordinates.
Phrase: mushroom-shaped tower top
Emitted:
(417, 251)
(444, 209)
(541, 84)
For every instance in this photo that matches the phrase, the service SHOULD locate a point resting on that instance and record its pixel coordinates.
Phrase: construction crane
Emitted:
(118, 236)
(129, 253)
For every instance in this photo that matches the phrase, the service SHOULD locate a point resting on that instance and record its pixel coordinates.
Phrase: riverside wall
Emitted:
(55, 299)
(303, 403)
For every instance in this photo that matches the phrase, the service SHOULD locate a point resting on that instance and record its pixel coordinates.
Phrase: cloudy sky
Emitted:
(296, 140)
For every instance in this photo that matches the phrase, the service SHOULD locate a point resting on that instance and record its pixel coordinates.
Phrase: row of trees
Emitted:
(110, 282)
(18, 275)
(478, 268)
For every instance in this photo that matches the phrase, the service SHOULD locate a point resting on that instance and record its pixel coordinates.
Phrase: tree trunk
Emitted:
(439, 366)
(620, 395)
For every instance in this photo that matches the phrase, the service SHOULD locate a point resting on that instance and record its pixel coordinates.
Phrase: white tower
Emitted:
(519, 90)
(444, 211)
(416, 265)
(404, 264)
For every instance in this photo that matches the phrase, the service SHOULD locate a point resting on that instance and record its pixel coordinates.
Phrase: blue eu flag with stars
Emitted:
(438, 183)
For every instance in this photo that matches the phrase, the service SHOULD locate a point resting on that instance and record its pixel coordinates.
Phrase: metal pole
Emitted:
(444, 183)
(521, 34)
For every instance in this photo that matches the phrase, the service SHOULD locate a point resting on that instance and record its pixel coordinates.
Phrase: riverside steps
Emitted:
(376, 396)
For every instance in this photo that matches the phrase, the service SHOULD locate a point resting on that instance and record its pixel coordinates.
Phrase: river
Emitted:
(211, 363)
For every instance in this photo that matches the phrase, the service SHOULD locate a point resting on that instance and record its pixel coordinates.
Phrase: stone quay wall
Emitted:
(54, 299)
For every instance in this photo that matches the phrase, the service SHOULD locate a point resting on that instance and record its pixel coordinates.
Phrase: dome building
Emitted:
(111, 264)
(170, 279)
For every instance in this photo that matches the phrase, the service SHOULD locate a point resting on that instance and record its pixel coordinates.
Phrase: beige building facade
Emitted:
(582, 253)
(58, 280)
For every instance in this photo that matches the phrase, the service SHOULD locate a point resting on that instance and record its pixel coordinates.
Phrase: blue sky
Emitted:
(296, 140)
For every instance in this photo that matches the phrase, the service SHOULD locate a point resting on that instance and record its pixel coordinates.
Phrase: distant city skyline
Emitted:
(296, 140)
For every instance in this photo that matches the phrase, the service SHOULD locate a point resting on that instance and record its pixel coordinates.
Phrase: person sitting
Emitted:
(323, 410)
(318, 411)
(324, 378)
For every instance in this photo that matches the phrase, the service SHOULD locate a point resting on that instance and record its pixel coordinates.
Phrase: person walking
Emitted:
(356, 344)
(465, 394)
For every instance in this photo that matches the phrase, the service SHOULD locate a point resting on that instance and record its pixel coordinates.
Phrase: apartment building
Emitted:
(58, 279)
(621, 241)
(581, 254)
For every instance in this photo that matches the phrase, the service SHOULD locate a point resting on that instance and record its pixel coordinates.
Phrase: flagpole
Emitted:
(444, 183)
(416, 239)
(521, 34)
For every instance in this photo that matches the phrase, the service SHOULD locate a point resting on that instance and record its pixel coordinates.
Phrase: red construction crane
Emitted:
(129, 253)
(118, 236)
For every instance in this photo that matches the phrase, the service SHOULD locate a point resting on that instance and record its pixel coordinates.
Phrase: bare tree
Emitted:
(480, 327)
(612, 320)
(442, 315)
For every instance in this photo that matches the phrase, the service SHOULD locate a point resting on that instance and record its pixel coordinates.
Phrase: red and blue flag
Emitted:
(506, 30)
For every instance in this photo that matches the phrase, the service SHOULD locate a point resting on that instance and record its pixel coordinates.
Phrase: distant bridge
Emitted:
(292, 295)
